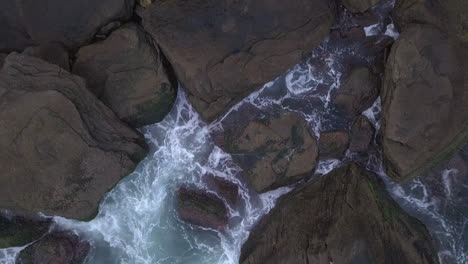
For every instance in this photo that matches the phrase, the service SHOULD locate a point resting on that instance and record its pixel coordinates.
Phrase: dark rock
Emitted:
(126, 72)
(72, 23)
(61, 149)
(333, 144)
(54, 53)
(273, 152)
(223, 50)
(2, 58)
(201, 208)
(58, 247)
(224, 188)
(107, 29)
(359, 6)
(424, 100)
(362, 134)
(345, 216)
(358, 92)
(19, 230)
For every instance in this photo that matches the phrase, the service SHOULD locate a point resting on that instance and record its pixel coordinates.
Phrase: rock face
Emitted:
(424, 100)
(343, 217)
(273, 152)
(362, 134)
(333, 144)
(200, 208)
(72, 23)
(61, 149)
(58, 247)
(126, 72)
(358, 92)
(17, 230)
(228, 190)
(223, 50)
(54, 53)
(359, 6)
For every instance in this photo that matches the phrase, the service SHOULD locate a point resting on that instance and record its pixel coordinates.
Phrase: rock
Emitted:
(358, 92)
(72, 23)
(127, 73)
(359, 6)
(273, 152)
(107, 29)
(362, 134)
(54, 53)
(58, 247)
(145, 3)
(2, 58)
(19, 230)
(226, 189)
(201, 208)
(345, 216)
(424, 100)
(61, 149)
(333, 144)
(223, 50)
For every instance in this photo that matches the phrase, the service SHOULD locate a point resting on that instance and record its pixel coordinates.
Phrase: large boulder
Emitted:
(362, 134)
(223, 50)
(127, 73)
(424, 100)
(57, 247)
(72, 23)
(54, 53)
(345, 216)
(19, 230)
(201, 208)
(333, 144)
(61, 149)
(274, 151)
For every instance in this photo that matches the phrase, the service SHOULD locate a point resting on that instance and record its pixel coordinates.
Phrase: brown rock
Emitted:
(345, 216)
(362, 134)
(19, 230)
(333, 144)
(127, 73)
(201, 208)
(54, 53)
(228, 190)
(223, 50)
(359, 6)
(61, 149)
(273, 152)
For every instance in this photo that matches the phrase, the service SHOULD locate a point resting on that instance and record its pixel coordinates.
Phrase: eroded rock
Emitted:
(228, 190)
(362, 134)
(333, 144)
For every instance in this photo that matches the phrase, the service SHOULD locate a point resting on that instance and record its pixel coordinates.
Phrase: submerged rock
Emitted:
(57, 247)
(358, 92)
(333, 144)
(201, 208)
(345, 216)
(54, 53)
(223, 50)
(72, 23)
(127, 73)
(424, 100)
(274, 151)
(19, 230)
(61, 149)
(362, 134)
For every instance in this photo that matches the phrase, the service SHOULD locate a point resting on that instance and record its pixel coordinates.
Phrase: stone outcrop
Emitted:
(127, 73)
(362, 134)
(221, 51)
(61, 149)
(345, 216)
(333, 144)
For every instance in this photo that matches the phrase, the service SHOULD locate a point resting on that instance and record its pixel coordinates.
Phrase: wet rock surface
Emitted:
(274, 151)
(201, 208)
(60, 148)
(58, 247)
(333, 144)
(343, 217)
(127, 73)
(226, 189)
(19, 230)
(362, 134)
(223, 50)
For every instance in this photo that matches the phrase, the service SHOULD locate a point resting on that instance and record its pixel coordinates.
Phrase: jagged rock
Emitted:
(274, 151)
(72, 23)
(345, 216)
(201, 208)
(127, 73)
(57, 247)
(358, 92)
(359, 6)
(61, 149)
(54, 53)
(362, 134)
(333, 144)
(228, 190)
(223, 50)
(19, 230)
(424, 100)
